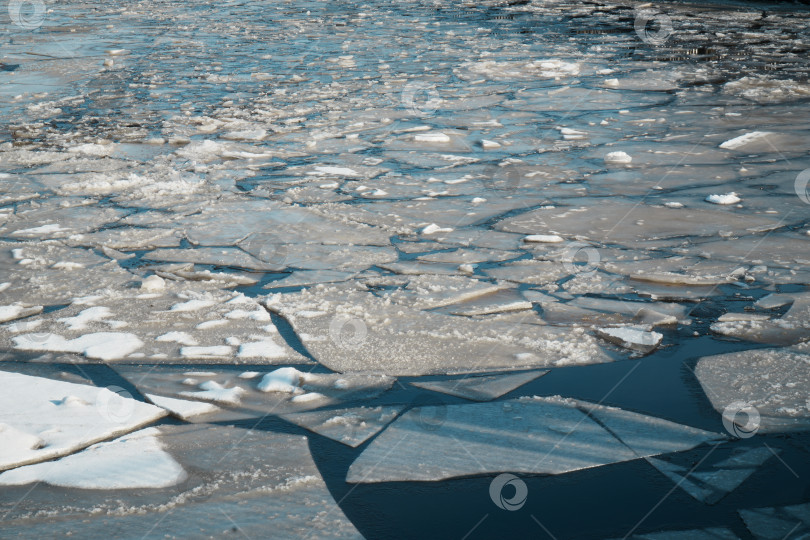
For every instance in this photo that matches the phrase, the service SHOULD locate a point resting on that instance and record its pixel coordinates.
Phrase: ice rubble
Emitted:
(774, 381)
(529, 435)
(61, 417)
(253, 394)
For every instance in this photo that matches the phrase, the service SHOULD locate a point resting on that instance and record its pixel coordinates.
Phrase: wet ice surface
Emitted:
(346, 223)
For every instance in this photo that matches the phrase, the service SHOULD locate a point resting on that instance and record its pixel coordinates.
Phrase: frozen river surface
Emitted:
(404, 269)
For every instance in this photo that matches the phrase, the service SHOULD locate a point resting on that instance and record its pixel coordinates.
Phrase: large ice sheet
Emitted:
(625, 222)
(162, 321)
(773, 381)
(347, 328)
(43, 418)
(530, 435)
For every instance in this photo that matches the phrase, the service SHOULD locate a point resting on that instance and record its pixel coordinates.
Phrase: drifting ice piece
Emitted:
(481, 387)
(637, 339)
(183, 409)
(42, 419)
(774, 381)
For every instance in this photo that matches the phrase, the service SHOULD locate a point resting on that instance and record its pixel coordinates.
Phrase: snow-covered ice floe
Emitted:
(42, 419)
(200, 480)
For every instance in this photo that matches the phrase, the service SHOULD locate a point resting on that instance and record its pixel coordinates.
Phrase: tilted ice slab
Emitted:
(711, 479)
(481, 387)
(778, 523)
(774, 381)
(351, 427)
(530, 435)
(133, 461)
(232, 476)
(42, 419)
(253, 392)
(625, 222)
(350, 329)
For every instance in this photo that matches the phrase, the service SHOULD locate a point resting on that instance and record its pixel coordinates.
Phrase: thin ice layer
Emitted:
(711, 479)
(481, 387)
(438, 442)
